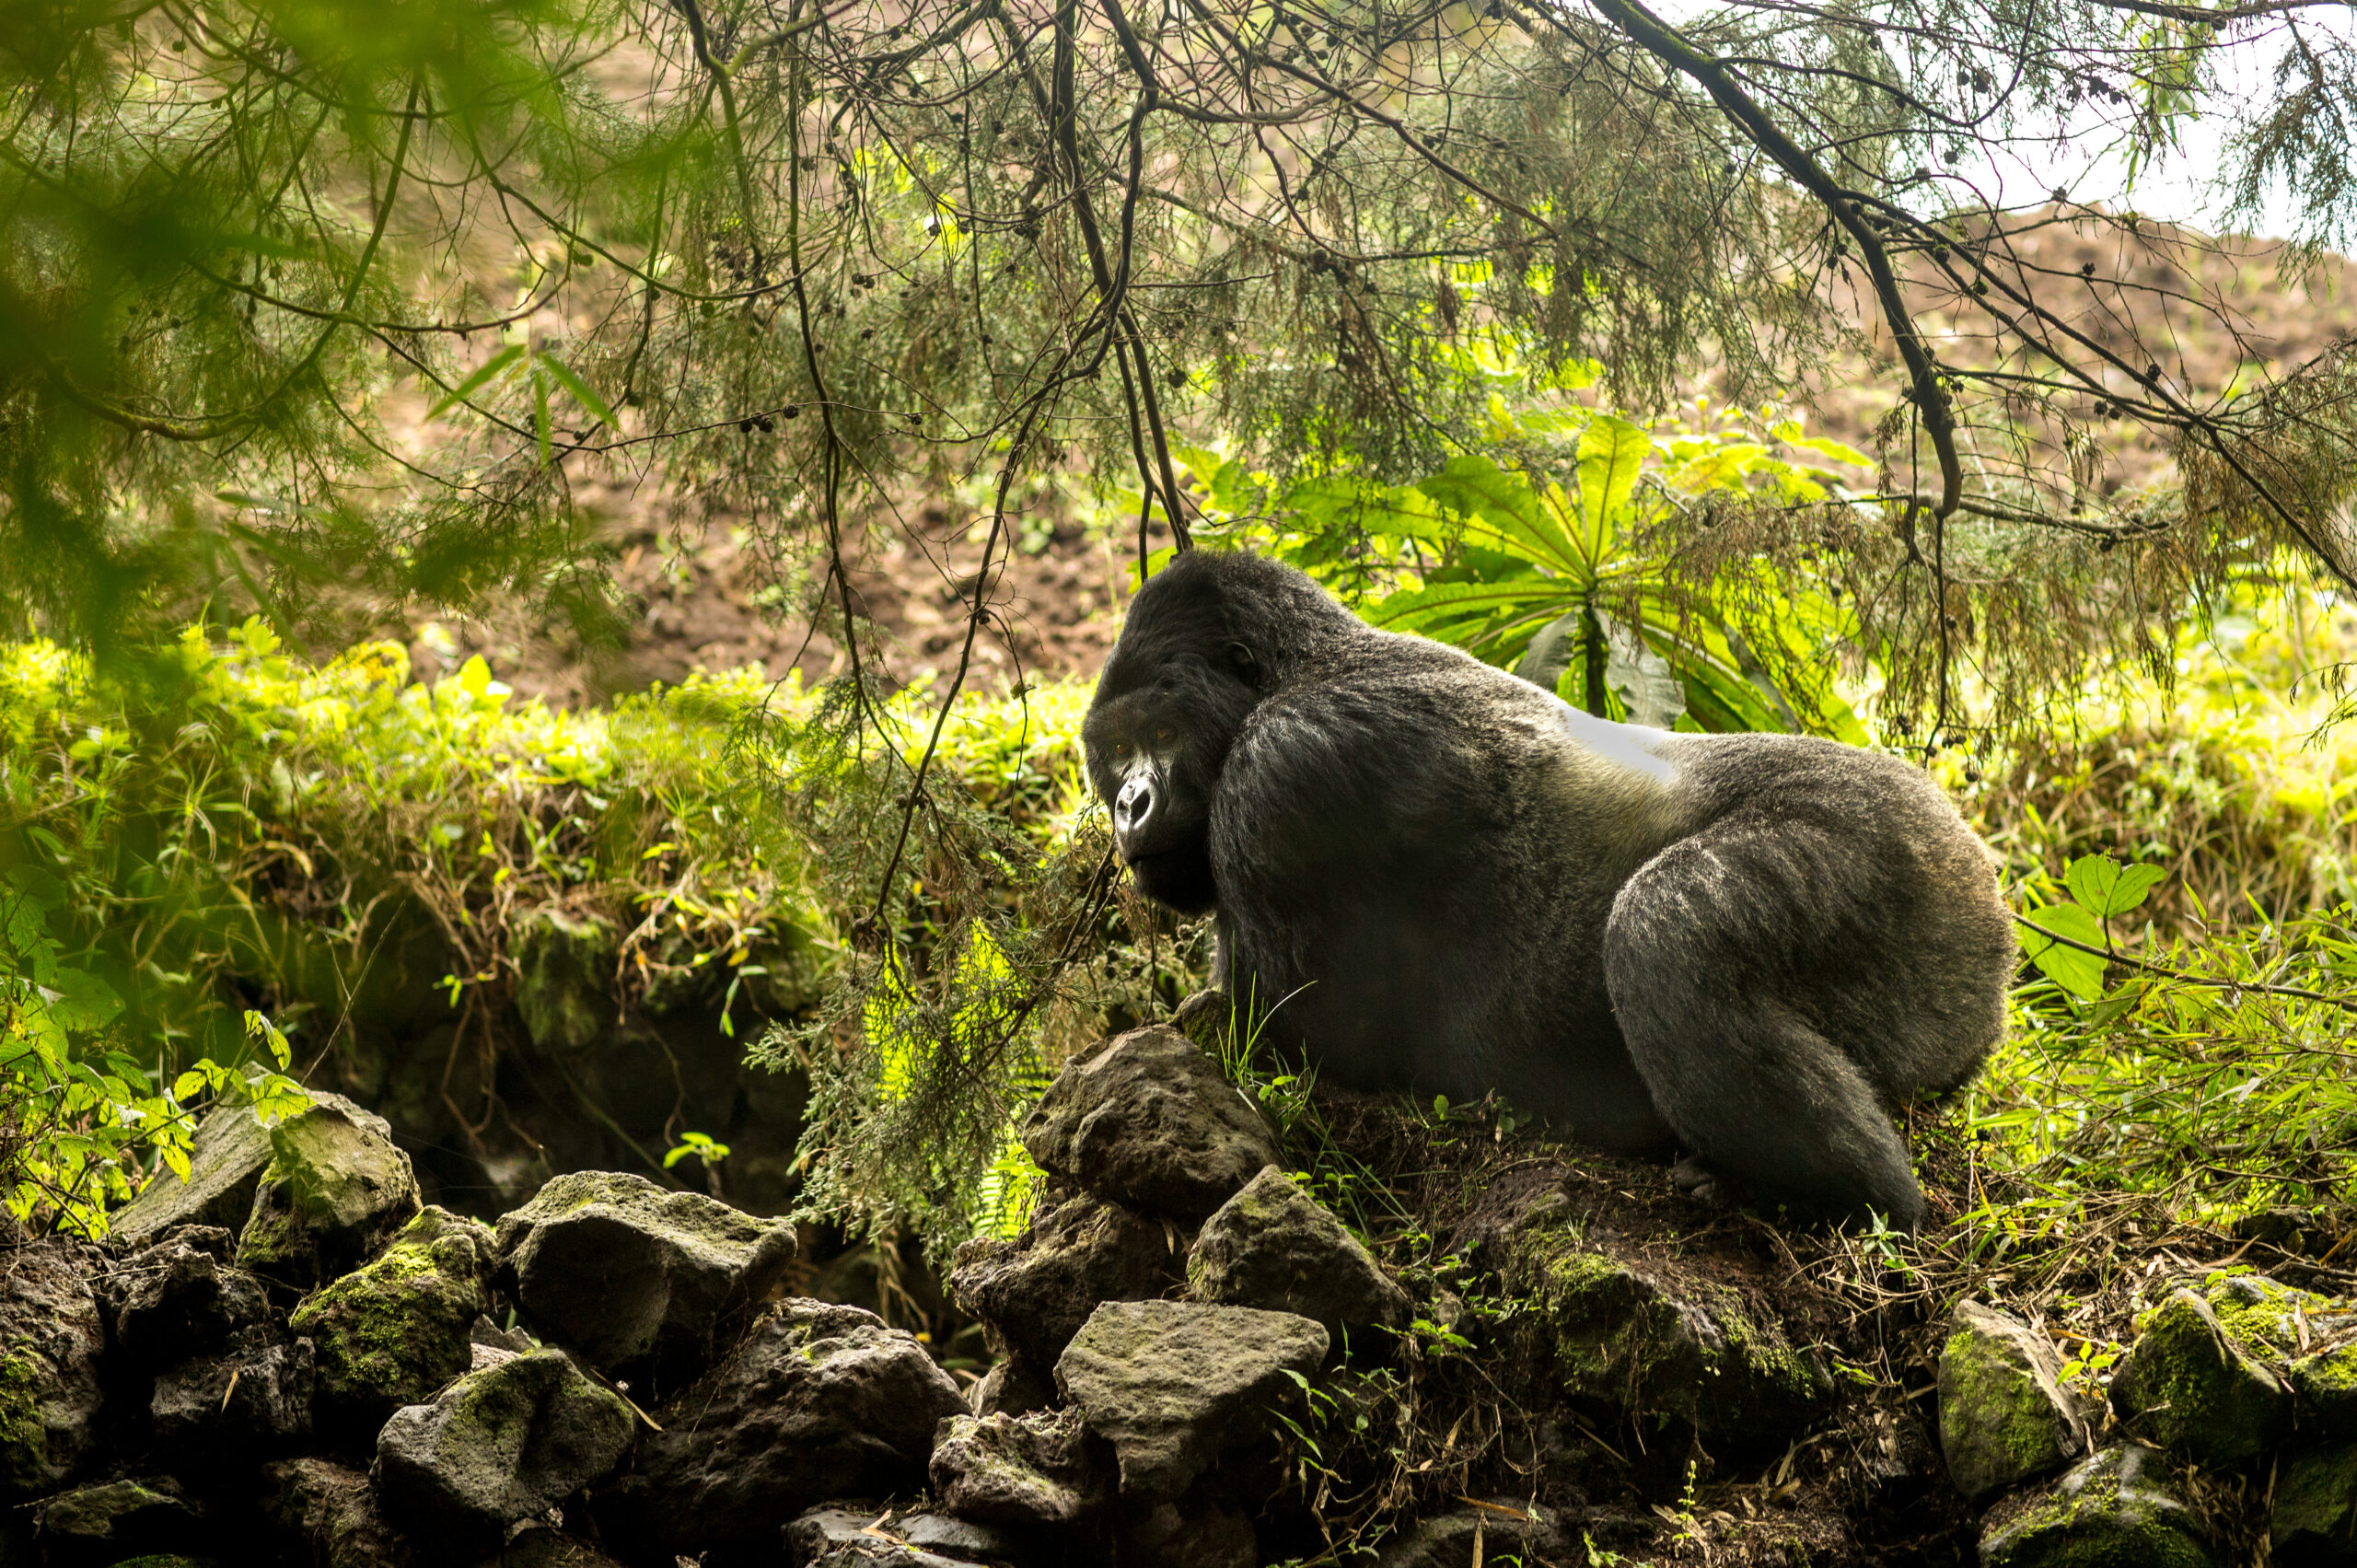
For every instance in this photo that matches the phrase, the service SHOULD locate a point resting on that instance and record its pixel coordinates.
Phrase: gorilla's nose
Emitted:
(1133, 808)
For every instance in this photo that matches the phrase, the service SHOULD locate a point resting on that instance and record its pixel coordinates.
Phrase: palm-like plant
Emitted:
(1564, 578)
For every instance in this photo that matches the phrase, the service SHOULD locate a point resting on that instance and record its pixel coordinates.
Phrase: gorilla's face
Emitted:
(1156, 738)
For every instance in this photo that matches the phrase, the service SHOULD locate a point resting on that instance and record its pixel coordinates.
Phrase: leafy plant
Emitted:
(1559, 565)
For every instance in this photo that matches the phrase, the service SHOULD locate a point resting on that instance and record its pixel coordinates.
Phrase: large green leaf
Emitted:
(2080, 973)
(1612, 453)
(1501, 508)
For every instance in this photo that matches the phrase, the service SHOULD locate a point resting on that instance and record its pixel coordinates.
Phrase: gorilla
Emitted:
(1432, 874)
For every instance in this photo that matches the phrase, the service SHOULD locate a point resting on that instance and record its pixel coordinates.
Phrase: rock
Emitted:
(251, 1399)
(51, 1340)
(1149, 1121)
(2005, 1418)
(1171, 1383)
(178, 1296)
(115, 1520)
(2327, 1387)
(2118, 1507)
(226, 1157)
(1194, 1531)
(564, 980)
(1035, 1469)
(500, 1447)
(541, 1547)
(331, 1513)
(875, 1538)
(638, 1281)
(1478, 1535)
(2314, 1521)
(1013, 1387)
(2186, 1386)
(2264, 1319)
(816, 1403)
(1273, 1246)
(397, 1329)
(334, 1193)
(1033, 1293)
(1655, 1340)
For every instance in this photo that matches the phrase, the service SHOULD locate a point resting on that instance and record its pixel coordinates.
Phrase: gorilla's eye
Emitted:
(1162, 735)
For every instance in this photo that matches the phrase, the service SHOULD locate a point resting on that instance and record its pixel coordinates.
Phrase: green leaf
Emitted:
(580, 390)
(2077, 972)
(1612, 453)
(483, 374)
(2107, 888)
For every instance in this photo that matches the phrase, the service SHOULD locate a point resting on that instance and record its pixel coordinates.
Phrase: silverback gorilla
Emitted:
(1433, 874)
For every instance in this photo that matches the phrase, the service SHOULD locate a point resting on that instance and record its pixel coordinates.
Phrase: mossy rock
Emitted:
(52, 1338)
(2314, 1520)
(2117, 1509)
(564, 980)
(639, 1282)
(2004, 1417)
(2327, 1387)
(396, 1330)
(2189, 1387)
(335, 1192)
(1657, 1341)
(2263, 1316)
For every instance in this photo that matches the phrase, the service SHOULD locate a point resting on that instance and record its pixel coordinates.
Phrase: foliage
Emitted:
(236, 825)
(2228, 772)
(1569, 563)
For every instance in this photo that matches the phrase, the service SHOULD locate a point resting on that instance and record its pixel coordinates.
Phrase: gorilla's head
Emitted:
(1207, 639)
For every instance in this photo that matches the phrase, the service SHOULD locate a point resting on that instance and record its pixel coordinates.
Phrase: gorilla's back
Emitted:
(1419, 855)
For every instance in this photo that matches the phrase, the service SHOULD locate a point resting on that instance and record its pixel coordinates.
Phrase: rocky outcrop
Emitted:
(1040, 1469)
(1147, 1120)
(2005, 1418)
(842, 1538)
(333, 1193)
(116, 1519)
(500, 1447)
(2314, 1519)
(1489, 1533)
(397, 1329)
(51, 1341)
(226, 1158)
(327, 1513)
(1170, 1384)
(2326, 1386)
(2193, 1390)
(249, 1401)
(816, 1403)
(2118, 1507)
(565, 967)
(1652, 1338)
(1273, 1246)
(178, 1297)
(639, 1282)
(1033, 1293)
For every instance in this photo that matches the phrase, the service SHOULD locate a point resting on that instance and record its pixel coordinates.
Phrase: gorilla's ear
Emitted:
(1246, 668)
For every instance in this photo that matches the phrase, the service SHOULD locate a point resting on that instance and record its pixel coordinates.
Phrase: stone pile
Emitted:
(287, 1359)
(2233, 1374)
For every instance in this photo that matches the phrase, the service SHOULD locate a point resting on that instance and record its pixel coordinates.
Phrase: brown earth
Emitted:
(700, 593)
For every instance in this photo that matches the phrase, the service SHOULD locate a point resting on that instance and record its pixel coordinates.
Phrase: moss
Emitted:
(2256, 1313)
(2090, 1520)
(24, 1435)
(1678, 1348)
(2315, 1494)
(395, 1330)
(2194, 1392)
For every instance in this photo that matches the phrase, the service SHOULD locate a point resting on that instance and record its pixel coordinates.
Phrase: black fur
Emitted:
(1438, 877)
